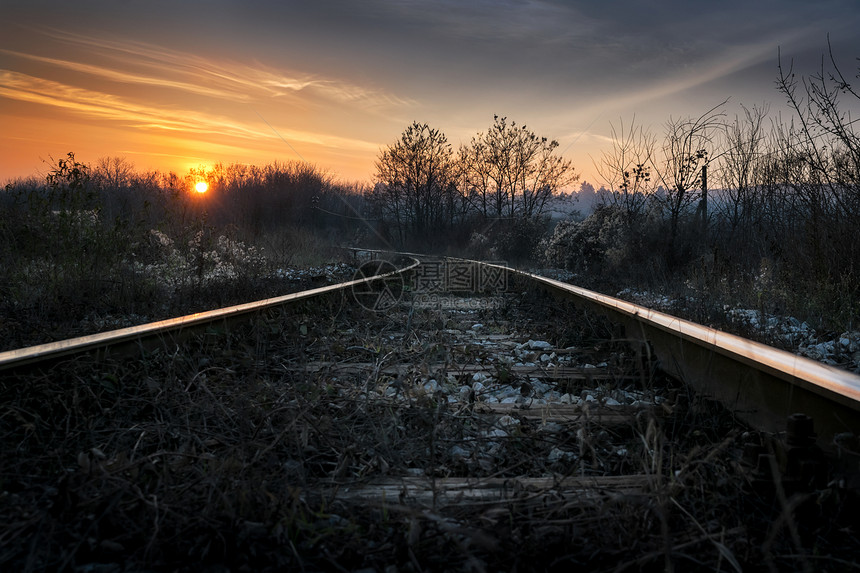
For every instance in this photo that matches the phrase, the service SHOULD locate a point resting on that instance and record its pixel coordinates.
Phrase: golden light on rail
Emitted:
(201, 187)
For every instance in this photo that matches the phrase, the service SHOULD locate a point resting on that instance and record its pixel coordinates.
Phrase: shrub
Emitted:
(518, 239)
(589, 245)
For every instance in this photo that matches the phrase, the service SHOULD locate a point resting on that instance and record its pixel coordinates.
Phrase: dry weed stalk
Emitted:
(235, 452)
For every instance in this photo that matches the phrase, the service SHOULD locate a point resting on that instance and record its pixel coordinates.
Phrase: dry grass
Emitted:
(226, 455)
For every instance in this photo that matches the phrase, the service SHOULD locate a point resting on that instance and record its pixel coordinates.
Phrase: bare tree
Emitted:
(825, 132)
(113, 172)
(476, 181)
(124, 192)
(687, 149)
(510, 172)
(824, 147)
(416, 179)
(741, 169)
(626, 169)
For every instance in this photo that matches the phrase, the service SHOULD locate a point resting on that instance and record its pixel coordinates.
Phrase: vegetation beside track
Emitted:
(233, 453)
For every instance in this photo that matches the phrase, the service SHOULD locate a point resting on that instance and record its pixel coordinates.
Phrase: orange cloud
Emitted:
(125, 77)
(231, 80)
(100, 105)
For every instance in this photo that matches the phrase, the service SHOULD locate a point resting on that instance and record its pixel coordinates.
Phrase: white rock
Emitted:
(557, 455)
(485, 462)
(477, 326)
(612, 402)
(507, 420)
(478, 386)
(457, 451)
(552, 427)
(552, 396)
(508, 390)
(540, 387)
(539, 345)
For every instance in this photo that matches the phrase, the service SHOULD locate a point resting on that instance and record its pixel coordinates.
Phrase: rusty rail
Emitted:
(762, 384)
(135, 335)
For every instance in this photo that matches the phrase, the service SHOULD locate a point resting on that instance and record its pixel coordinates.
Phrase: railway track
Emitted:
(451, 416)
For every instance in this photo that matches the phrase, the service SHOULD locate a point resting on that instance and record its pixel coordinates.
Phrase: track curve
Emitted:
(480, 417)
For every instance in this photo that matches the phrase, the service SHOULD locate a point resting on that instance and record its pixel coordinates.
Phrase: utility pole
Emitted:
(705, 193)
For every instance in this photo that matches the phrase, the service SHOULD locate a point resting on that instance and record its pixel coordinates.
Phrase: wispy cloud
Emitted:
(131, 78)
(236, 81)
(95, 104)
(188, 76)
(728, 62)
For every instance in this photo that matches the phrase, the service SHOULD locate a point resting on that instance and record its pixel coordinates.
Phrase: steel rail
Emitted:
(761, 384)
(50, 351)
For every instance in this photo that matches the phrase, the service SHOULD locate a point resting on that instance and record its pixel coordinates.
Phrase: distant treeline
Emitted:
(250, 199)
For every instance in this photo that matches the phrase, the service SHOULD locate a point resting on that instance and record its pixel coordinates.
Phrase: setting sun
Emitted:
(201, 187)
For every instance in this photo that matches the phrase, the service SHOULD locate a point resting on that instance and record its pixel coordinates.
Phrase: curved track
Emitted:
(144, 334)
(450, 414)
(763, 384)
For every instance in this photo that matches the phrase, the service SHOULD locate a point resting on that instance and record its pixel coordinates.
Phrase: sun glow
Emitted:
(201, 187)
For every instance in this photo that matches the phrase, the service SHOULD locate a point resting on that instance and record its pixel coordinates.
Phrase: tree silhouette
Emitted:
(416, 182)
(510, 172)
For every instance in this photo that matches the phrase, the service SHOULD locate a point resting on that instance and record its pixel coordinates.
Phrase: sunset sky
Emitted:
(175, 85)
